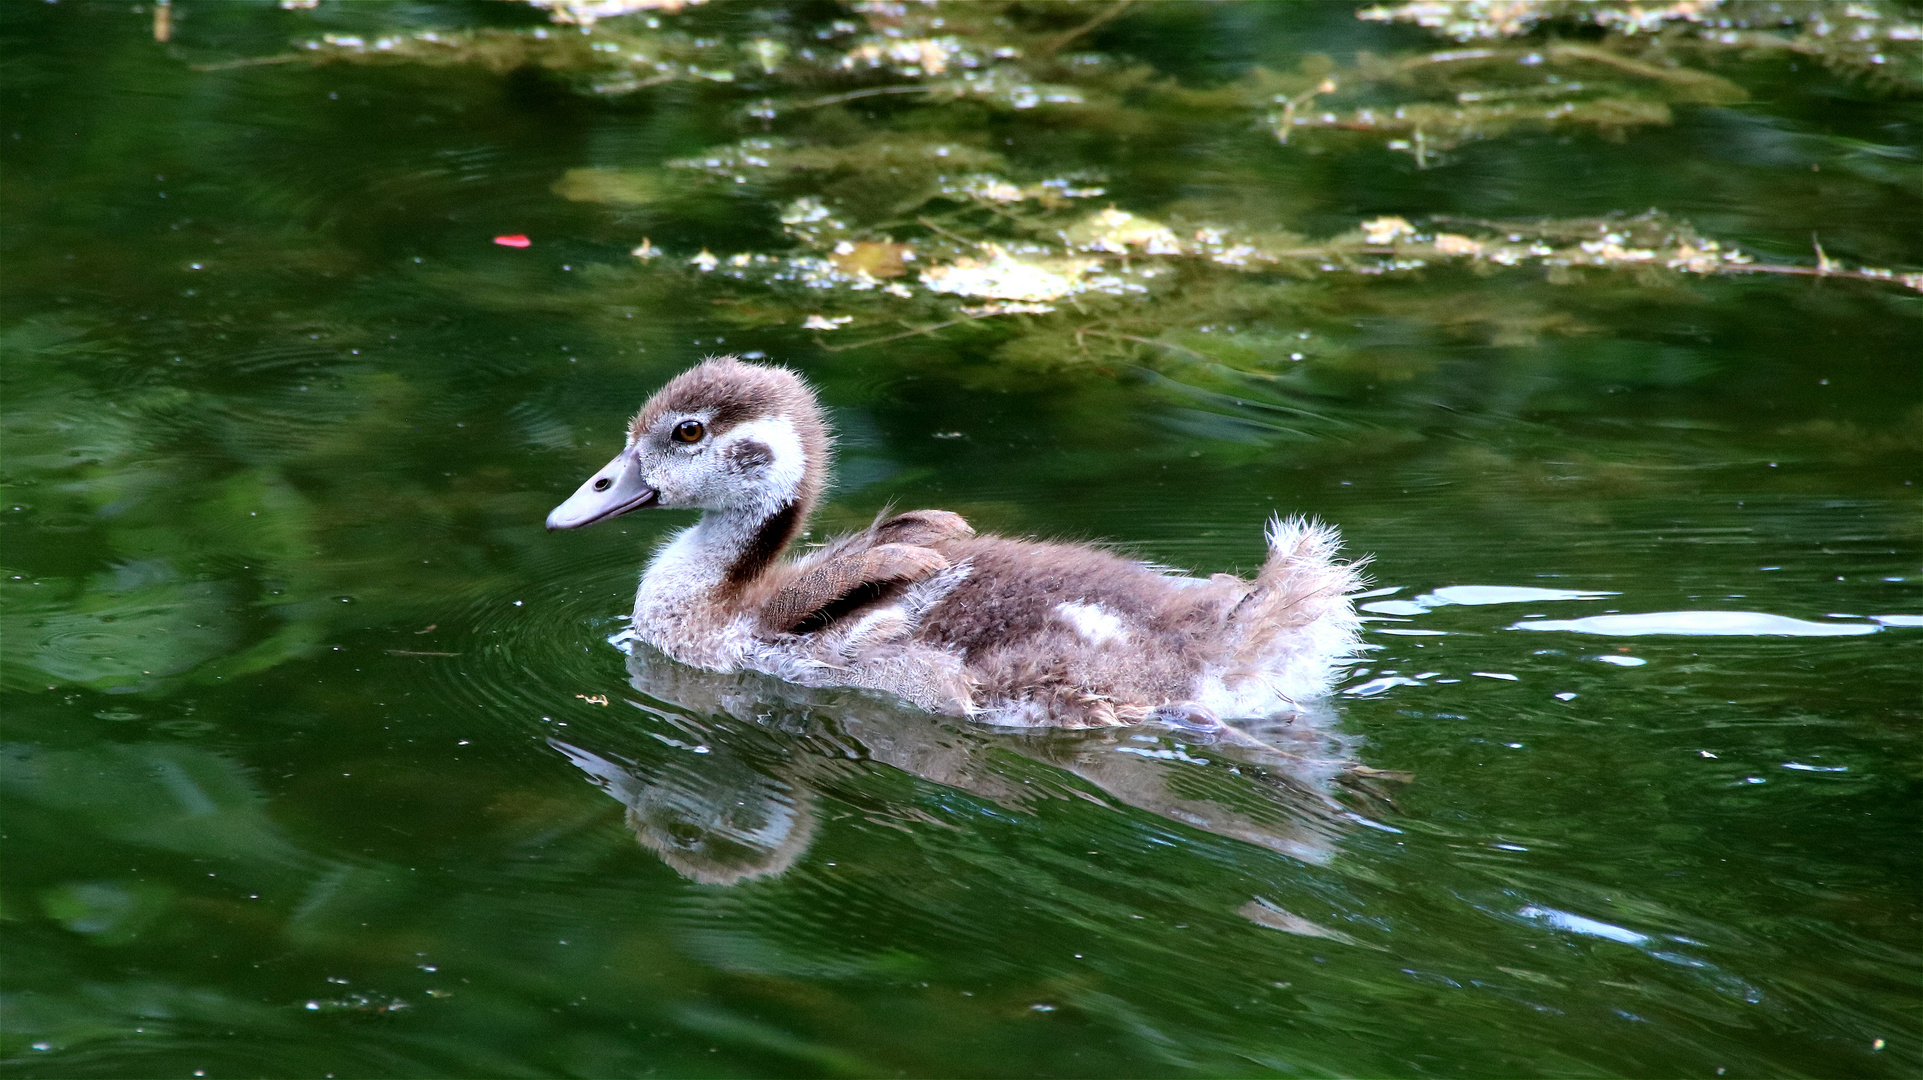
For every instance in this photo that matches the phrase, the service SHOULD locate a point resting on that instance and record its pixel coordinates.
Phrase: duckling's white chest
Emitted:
(680, 606)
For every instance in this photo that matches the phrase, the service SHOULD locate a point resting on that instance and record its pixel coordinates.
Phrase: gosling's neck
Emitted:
(718, 557)
(744, 544)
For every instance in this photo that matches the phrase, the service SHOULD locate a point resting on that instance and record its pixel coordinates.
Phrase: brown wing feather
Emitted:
(856, 569)
(820, 584)
(921, 527)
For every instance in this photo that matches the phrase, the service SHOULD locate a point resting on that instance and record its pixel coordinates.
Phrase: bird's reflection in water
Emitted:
(716, 819)
(734, 797)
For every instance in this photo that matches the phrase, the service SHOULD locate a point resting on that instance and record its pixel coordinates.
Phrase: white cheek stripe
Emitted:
(790, 464)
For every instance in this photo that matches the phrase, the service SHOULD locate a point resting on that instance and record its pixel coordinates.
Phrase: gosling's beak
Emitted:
(615, 490)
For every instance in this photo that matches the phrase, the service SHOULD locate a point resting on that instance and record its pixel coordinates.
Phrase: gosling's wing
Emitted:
(859, 568)
(825, 588)
(922, 527)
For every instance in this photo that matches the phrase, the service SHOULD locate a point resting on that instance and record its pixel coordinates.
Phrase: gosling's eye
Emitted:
(689, 431)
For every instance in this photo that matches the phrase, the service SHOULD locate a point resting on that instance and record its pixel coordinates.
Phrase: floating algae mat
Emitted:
(1597, 321)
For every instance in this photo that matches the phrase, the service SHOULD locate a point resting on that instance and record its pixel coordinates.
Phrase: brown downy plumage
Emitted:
(1001, 630)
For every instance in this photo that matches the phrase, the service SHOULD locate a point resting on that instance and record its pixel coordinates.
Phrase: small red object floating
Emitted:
(515, 241)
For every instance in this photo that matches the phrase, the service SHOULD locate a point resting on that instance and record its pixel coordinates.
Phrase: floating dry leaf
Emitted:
(1263, 913)
(588, 12)
(1117, 231)
(1032, 277)
(1386, 230)
(613, 186)
(876, 259)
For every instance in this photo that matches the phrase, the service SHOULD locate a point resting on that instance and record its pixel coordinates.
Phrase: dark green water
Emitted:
(287, 651)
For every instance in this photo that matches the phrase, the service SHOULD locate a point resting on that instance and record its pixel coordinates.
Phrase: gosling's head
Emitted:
(724, 435)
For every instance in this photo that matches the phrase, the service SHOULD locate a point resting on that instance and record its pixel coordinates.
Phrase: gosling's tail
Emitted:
(1297, 623)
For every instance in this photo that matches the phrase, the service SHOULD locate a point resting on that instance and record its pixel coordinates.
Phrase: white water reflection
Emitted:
(1578, 924)
(1396, 607)
(1504, 594)
(1699, 624)
(1478, 595)
(1381, 685)
(1569, 922)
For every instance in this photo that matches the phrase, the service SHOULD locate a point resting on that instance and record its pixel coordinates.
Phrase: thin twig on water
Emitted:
(904, 334)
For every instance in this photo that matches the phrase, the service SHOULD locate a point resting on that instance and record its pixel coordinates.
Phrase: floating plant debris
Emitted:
(1880, 40)
(863, 143)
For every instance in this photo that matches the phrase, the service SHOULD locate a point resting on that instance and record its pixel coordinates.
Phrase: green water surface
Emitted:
(317, 760)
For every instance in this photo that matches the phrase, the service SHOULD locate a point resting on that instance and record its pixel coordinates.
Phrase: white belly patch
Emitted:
(1096, 624)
